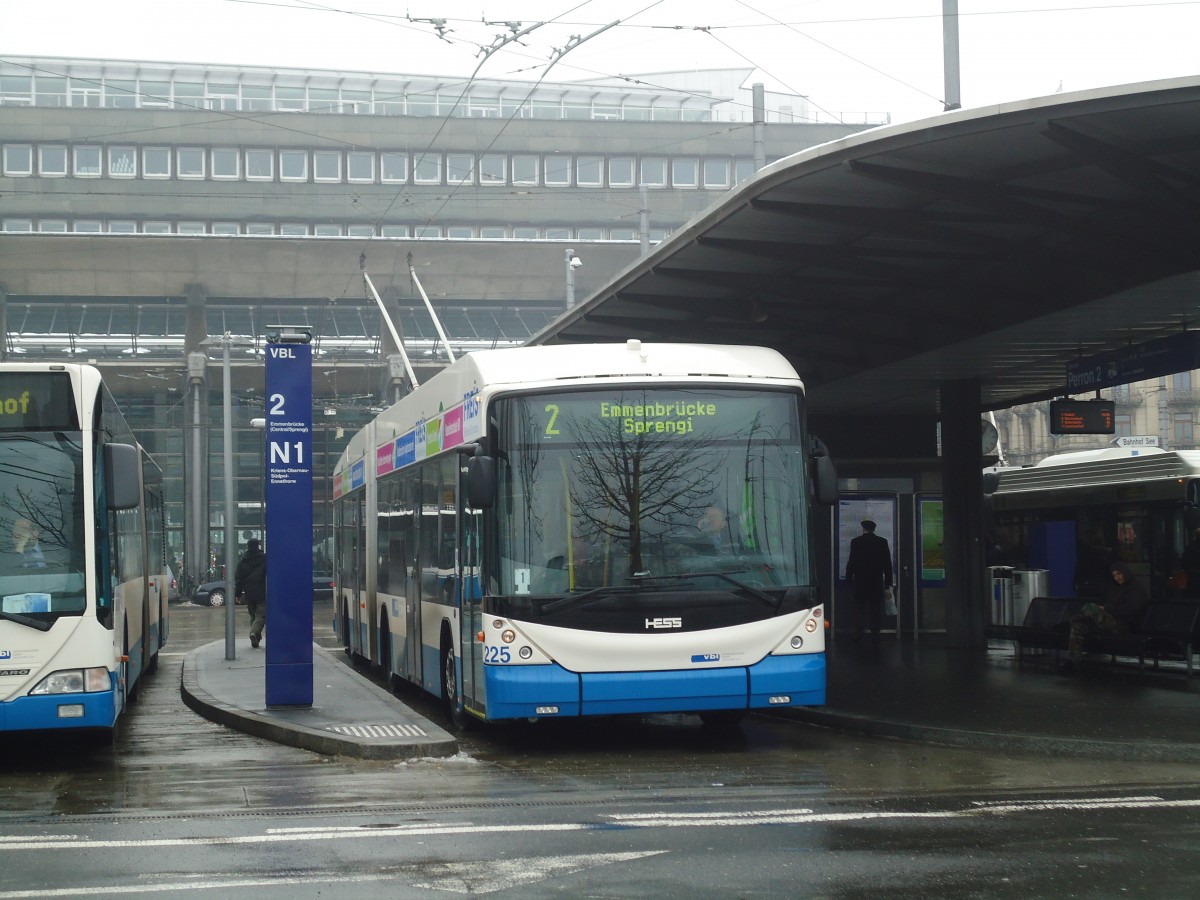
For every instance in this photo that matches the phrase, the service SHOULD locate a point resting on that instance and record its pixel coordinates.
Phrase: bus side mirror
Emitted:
(824, 474)
(122, 471)
(481, 482)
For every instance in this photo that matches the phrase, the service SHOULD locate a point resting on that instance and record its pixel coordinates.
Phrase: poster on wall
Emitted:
(933, 550)
(851, 513)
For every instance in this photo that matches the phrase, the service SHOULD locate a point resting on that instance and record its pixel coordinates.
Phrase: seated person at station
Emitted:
(1119, 612)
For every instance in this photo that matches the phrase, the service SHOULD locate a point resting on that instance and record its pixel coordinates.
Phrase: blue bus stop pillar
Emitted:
(289, 497)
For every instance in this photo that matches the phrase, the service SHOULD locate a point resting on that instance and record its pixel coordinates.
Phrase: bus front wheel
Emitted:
(458, 717)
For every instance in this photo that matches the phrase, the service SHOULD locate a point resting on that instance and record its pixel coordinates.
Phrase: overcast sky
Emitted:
(847, 56)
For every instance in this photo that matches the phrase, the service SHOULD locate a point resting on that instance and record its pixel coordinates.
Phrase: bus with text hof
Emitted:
(83, 568)
(563, 531)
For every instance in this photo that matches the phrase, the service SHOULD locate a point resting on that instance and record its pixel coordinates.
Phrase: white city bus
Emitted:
(589, 529)
(83, 578)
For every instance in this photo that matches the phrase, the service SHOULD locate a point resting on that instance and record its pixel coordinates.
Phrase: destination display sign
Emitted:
(1082, 417)
(37, 401)
(688, 416)
(1165, 356)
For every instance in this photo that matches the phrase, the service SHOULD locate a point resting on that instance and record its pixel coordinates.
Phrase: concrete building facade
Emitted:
(150, 209)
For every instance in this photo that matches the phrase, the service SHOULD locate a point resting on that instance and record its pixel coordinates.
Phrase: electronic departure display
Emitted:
(37, 401)
(1082, 417)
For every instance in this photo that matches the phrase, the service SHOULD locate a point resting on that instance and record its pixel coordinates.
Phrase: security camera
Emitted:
(289, 334)
(576, 262)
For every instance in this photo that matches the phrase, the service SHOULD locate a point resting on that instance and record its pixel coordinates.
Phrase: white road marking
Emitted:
(500, 875)
(226, 884)
(457, 878)
(633, 820)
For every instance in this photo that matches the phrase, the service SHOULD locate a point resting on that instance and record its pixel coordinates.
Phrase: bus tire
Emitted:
(385, 655)
(346, 629)
(128, 675)
(458, 717)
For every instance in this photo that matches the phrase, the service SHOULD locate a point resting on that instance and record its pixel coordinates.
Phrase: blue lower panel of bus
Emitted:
(523, 692)
(42, 712)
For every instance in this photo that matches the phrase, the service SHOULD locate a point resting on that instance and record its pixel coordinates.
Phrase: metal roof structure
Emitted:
(992, 244)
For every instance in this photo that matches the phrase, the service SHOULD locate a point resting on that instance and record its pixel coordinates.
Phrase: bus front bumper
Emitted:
(54, 711)
(528, 692)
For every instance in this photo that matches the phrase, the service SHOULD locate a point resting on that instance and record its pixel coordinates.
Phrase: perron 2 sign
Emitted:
(289, 524)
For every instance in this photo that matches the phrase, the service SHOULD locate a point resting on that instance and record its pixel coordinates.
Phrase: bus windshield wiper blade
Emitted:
(39, 624)
(761, 596)
(590, 594)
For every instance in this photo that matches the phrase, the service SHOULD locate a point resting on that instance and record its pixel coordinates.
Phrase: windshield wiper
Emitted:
(39, 624)
(761, 596)
(586, 596)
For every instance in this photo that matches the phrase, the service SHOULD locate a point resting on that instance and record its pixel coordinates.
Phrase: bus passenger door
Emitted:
(411, 503)
(470, 523)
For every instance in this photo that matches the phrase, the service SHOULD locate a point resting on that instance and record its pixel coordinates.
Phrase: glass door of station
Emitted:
(912, 524)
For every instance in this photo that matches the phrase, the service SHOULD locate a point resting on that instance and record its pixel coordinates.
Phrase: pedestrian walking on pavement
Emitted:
(869, 571)
(250, 586)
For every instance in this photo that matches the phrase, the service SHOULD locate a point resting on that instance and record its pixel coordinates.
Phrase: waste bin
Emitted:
(1027, 584)
(1001, 594)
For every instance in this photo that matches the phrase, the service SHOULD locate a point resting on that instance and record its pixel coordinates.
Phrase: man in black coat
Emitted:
(869, 571)
(250, 586)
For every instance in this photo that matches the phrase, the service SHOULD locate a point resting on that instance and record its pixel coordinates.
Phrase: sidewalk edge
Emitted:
(329, 743)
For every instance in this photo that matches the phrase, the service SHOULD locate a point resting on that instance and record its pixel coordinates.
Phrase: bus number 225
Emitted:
(496, 655)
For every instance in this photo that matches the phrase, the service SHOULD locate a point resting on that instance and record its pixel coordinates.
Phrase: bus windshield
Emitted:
(41, 543)
(620, 487)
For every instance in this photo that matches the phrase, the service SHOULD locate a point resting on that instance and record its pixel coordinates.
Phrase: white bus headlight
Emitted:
(74, 681)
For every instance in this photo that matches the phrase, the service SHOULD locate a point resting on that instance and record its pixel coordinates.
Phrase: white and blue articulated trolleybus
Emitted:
(83, 576)
(562, 531)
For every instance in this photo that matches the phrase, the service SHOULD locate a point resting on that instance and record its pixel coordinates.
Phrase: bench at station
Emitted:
(1168, 631)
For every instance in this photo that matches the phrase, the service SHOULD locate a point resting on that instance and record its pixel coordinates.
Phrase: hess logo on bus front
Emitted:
(664, 622)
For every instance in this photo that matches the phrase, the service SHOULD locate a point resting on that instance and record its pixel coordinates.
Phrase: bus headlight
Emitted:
(797, 642)
(508, 635)
(525, 652)
(74, 681)
(810, 626)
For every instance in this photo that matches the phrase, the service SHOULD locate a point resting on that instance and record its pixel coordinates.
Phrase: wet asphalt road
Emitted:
(653, 807)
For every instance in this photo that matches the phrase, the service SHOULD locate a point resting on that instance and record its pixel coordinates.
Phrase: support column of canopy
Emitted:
(962, 492)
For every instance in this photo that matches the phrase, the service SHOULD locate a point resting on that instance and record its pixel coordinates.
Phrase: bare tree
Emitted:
(624, 482)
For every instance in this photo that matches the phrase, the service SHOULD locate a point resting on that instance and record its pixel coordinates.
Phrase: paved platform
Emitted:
(350, 716)
(915, 691)
(920, 691)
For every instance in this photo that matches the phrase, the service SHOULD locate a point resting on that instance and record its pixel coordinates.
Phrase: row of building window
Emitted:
(398, 99)
(370, 167)
(325, 230)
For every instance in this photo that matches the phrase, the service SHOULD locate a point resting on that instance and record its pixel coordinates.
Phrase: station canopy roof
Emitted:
(994, 244)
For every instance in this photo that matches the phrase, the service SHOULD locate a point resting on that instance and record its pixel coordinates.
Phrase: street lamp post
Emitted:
(573, 262)
(226, 341)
